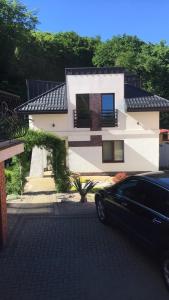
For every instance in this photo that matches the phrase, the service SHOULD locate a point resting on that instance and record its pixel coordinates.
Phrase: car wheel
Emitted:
(165, 268)
(101, 212)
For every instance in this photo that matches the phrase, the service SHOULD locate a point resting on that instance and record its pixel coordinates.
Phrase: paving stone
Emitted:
(71, 256)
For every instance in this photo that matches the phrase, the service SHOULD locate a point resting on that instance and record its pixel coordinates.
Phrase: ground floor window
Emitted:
(113, 151)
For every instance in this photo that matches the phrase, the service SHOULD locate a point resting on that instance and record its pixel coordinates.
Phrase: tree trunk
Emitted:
(83, 199)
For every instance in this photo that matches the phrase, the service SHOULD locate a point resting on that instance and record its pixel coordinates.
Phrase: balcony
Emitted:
(107, 118)
(82, 120)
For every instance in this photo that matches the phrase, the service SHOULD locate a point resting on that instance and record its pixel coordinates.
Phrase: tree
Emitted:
(149, 61)
(119, 51)
(16, 22)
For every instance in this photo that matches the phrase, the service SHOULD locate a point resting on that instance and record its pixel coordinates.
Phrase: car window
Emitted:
(145, 193)
(152, 196)
(156, 198)
(128, 189)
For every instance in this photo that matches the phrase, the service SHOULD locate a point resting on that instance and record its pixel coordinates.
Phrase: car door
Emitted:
(146, 208)
(157, 213)
(117, 201)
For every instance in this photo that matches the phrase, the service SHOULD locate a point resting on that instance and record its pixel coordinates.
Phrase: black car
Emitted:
(140, 205)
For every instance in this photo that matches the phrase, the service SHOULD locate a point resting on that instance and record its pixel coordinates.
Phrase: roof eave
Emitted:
(148, 109)
(42, 112)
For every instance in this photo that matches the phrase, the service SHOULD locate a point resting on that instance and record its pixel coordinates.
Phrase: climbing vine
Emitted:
(57, 148)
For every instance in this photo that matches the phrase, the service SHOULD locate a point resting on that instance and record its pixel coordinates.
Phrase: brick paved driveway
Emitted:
(61, 251)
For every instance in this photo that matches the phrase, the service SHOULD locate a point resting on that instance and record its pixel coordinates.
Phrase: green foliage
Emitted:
(63, 183)
(119, 51)
(27, 53)
(13, 177)
(16, 23)
(57, 147)
(83, 188)
(149, 61)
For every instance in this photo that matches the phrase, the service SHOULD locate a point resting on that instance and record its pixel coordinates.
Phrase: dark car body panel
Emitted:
(143, 214)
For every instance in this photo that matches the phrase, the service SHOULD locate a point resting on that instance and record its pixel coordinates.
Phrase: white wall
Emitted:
(140, 154)
(91, 84)
(139, 130)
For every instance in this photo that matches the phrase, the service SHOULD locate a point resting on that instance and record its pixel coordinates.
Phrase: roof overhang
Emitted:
(148, 109)
(10, 148)
(42, 112)
(147, 104)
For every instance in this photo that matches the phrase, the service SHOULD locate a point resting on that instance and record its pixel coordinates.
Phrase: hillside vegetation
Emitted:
(26, 52)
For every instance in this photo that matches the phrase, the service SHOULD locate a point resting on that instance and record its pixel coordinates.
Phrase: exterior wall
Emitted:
(139, 130)
(140, 154)
(142, 121)
(50, 122)
(93, 84)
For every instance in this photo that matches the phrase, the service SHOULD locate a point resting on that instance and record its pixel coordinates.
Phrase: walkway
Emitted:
(60, 251)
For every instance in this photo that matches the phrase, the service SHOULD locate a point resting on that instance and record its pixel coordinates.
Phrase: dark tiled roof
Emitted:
(138, 99)
(52, 101)
(147, 103)
(131, 91)
(38, 87)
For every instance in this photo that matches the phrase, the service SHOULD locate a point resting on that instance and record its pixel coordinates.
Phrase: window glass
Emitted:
(113, 151)
(147, 194)
(107, 102)
(118, 150)
(157, 198)
(107, 151)
(128, 189)
(82, 103)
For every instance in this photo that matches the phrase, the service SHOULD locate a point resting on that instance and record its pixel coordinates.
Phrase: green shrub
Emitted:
(64, 183)
(13, 177)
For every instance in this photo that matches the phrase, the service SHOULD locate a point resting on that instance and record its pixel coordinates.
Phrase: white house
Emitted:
(108, 122)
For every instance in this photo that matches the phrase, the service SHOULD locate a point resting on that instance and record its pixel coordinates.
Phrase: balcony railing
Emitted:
(108, 118)
(82, 120)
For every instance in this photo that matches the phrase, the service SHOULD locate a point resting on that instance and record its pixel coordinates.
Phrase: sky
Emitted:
(148, 19)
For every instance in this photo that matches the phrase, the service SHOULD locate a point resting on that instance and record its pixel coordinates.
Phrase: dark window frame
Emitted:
(113, 160)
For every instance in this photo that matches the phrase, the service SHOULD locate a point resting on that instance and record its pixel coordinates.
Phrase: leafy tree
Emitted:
(16, 22)
(154, 67)
(149, 61)
(119, 51)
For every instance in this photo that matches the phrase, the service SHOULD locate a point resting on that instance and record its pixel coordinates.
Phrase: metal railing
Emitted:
(107, 118)
(11, 125)
(82, 119)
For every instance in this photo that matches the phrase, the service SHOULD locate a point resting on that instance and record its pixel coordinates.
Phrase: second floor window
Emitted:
(82, 103)
(108, 102)
(82, 116)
